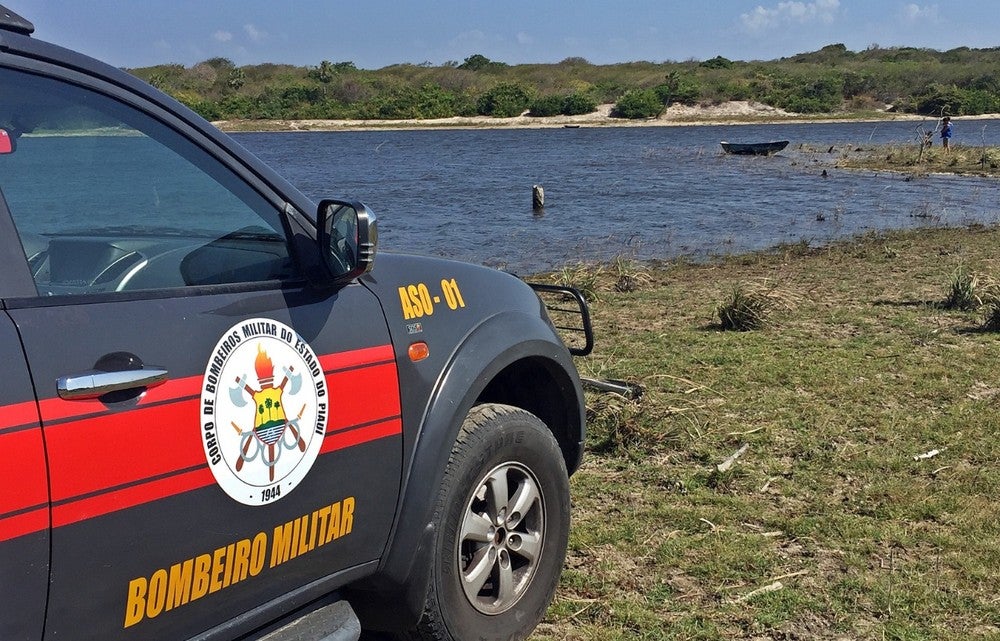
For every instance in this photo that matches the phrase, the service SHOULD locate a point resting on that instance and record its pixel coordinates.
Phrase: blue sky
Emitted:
(377, 33)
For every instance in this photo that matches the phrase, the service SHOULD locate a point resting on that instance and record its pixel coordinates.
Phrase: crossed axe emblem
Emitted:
(273, 433)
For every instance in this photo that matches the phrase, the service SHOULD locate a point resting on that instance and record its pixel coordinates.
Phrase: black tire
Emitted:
(511, 547)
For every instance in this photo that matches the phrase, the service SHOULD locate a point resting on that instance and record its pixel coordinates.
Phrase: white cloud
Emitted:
(475, 41)
(915, 13)
(222, 36)
(469, 37)
(762, 19)
(254, 33)
(524, 39)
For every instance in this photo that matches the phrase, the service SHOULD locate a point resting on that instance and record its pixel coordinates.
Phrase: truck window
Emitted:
(106, 198)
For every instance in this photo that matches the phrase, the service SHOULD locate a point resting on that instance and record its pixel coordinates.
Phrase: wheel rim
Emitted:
(500, 542)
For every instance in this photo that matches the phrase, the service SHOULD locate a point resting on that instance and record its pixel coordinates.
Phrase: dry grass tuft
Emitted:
(969, 291)
(612, 421)
(629, 275)
(622, 275)
(752, 306)
(991, 316)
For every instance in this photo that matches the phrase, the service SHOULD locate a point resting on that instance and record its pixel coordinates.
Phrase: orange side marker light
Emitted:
(418, 351)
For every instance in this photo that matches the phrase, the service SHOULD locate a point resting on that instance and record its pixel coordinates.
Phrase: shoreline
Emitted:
(732, 113)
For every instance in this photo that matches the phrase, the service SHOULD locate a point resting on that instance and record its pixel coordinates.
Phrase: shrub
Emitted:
(750, 307)
(743, 310)
(235, 106)
(683, 90)
(638, 103)
(736, 90)
(821, 95)
(614, 425)
(583, 277)
(479, 62)
(207, 110)
(504, 100)
(717, 62)
(991, 316)
(329, 110)
(608, 90)
(572, 105)
(429, 101)
(326, 71)
(546, 106)
(629, 275)
(940, 100)
(859, 83)
(577, 104)
(963, 291)
(801, 105)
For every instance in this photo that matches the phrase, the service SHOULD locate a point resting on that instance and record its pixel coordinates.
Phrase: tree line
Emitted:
(957, 82)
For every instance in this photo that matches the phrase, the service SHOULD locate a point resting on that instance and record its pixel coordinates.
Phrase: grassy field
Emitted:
(865, 503)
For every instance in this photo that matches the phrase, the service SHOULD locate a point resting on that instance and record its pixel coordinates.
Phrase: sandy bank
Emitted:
(730, 113)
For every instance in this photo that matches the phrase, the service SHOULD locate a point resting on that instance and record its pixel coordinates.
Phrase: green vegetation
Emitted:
(571, 105)
(638, 103)
(504, 100)
(864, 506)
(957, 82)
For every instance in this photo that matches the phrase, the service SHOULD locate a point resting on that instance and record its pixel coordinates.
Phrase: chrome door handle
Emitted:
(97, 383)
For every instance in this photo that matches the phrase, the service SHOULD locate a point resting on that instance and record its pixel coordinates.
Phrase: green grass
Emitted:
(835, 396)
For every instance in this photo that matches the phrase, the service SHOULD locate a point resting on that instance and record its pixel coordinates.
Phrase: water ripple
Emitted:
(652, 192)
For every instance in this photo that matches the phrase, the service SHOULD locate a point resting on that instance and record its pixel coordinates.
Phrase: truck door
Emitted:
(24, 509)
(219, 434)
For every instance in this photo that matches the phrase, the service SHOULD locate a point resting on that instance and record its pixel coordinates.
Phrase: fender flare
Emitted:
(494, 344)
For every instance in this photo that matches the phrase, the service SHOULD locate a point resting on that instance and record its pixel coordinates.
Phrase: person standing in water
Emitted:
(945, 132)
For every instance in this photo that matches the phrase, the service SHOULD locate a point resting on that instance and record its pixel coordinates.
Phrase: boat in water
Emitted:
(754, 148)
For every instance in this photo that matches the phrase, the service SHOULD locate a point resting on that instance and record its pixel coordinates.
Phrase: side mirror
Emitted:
(347, 235)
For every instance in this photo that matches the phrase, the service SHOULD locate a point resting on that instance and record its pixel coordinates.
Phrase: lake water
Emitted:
(643, 192)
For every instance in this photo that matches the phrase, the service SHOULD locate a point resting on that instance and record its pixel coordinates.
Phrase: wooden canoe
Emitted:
(754, 148)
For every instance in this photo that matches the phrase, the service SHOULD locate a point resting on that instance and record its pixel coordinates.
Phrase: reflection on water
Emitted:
(650, 192)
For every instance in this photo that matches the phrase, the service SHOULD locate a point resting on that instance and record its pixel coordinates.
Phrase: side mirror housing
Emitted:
(347, 235)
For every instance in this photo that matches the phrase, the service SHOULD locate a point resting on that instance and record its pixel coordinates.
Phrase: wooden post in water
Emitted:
(537, 198)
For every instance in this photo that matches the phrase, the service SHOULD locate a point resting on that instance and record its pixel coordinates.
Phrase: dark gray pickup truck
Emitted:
(223, 418)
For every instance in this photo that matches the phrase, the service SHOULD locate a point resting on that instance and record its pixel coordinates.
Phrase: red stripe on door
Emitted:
(56, 409)
(361, 395)
(110, 450)
(126, 497)
(105, 451)
(350, 438)
(105, 503)
(107, 461)
(356, 358)
(23, 466)
(18, 415)
(17, 525)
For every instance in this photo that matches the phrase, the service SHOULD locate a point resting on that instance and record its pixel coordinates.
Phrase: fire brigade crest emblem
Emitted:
(263, 411)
